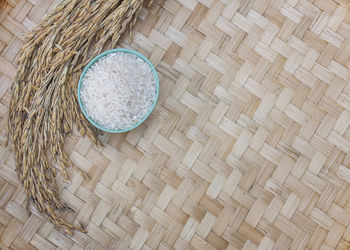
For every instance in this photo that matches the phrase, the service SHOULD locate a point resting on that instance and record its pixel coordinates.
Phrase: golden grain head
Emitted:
(44, 94)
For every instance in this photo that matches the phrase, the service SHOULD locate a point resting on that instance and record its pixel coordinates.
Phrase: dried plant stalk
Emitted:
(44, 104)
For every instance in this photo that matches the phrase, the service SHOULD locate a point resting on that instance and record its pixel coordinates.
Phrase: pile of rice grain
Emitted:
(118, 90)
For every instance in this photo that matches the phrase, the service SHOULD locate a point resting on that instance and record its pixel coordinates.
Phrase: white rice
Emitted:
(118, 90)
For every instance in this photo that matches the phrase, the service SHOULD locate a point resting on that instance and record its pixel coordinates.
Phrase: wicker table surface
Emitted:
(248, 146)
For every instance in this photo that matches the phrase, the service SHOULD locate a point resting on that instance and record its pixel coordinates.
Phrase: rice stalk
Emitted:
(44, 104)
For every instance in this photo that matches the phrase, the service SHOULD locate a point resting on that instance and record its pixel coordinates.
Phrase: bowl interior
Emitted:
(95, 60)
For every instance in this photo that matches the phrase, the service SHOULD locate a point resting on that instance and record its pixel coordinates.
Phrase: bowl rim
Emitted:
(94, 60)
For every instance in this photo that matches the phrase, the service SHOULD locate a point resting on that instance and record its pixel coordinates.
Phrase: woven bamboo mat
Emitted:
(248, 146)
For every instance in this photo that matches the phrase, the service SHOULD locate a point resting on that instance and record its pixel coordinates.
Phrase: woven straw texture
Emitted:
(247, 148)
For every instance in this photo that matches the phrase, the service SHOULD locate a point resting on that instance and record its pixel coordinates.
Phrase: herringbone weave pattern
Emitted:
(248, 146)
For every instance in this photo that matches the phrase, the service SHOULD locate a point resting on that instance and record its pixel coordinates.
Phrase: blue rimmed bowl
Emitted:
(95, 60)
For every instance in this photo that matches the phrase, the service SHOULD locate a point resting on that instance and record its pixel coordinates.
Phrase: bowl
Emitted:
(95, 60)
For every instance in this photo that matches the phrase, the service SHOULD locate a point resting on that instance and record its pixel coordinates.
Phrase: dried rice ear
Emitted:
(44, 104)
